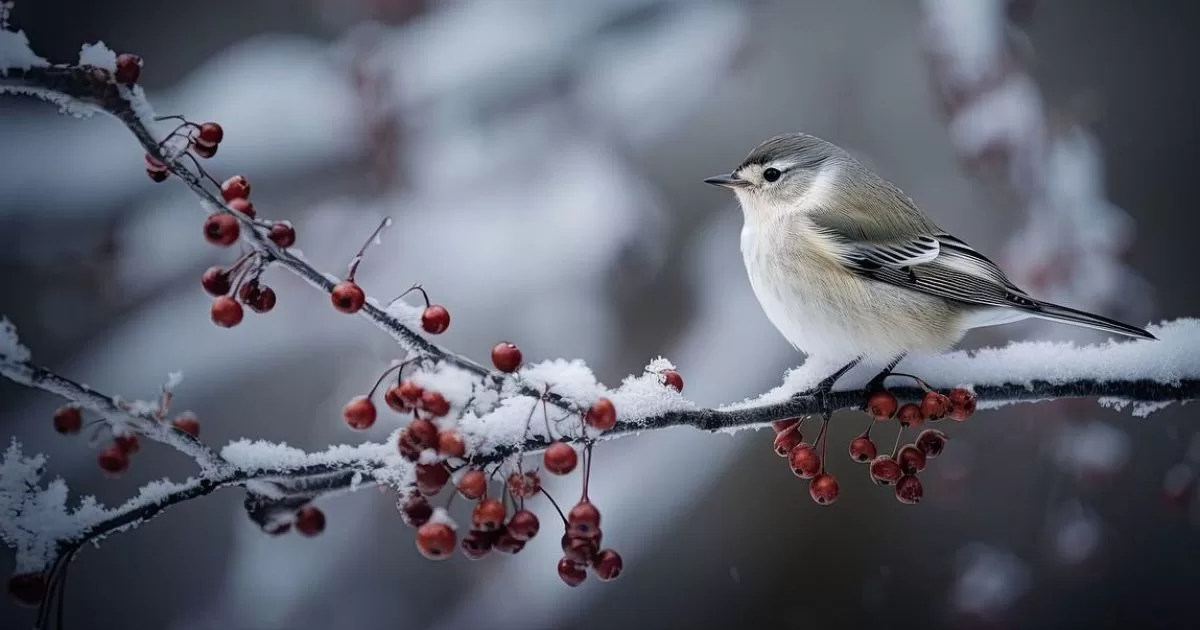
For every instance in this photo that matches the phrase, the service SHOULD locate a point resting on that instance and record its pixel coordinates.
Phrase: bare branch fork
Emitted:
(493, 410)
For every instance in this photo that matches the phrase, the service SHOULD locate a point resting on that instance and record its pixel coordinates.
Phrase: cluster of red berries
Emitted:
(901, 467)
(114, 458)
(203, 139)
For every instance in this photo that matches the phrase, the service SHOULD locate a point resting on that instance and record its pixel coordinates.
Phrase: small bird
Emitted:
(848, 268)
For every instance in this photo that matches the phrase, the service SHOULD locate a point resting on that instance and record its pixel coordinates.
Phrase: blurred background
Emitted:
(542, 160)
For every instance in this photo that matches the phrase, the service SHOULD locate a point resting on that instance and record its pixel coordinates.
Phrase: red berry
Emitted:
(310, 521)
(154, 164)
(204, 151)
(935, 405)
(488, 515)
(68, 420)
(423, 433)
(580, 549)
(210, 134)
(226, 312)
(410, 392)
(236, 187)
(823, 489)
(215, 281)
(962, 403)
(282, 234)
(607, 565)
(602, 416)
(263, 300)
(476, 544)
(672, 379)
(158, 176)
(911, 459)
(394, 401)
(188, 423)
(415, 510)
(435, 319)
(408, 446)
(221, 229)
(431, 478)
(347, 297)
(524, 485)
(783, 425)
(506, 357)
(129, 67)
(862, 449)
(113, 460)
(885, 470)
(583, 521)
(805, 461)
(450, 444)
(435, 540)
(910, 415)
(243, 205)
(909, 490)
(572, 574)
(788, 439)
(27, 589)
(129, 443)
(507, 543)
(435, 403)
(931, 442)
(560, 458)
(523, 525)
(473, 484)
(881, 405)
(248, 292)
(359, 413)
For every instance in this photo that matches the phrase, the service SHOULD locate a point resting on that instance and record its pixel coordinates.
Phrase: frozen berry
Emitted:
(394, 401)
(158, 176)
(909, 490)
(188, 423)
(805, 461)
(113, 460)
(476, 544)
(862, 449)
(215, 281)
(488, 515)
(885, 470)
(572, 574)
(282, 234)
(450, 444)
(560, 458)
(507, 543)
(823, 489)
(911, 459)
(410, 392)
(935, 405)
(236, 187)
(226, 312)
(931, 442)
(881, 405)
(210, 134)
(415, 510)
(431, 478)
(473, 484)
(27, 589)
(347, 297)
(607, 565)
(580, 549)
(583, 520)
(435, 319)
(962, 404)
(263, 300)
(910, 415)
(602, 416)
(672, 379)
(359, 413)
(506, 357)
(221, 229)
(128, 443)
(524, 485)
(788, 439)
(129, 67)
(435, 403)
(423, 432)
(523, 525)
(243, 205)
(310, 521)
(408, 446)
(435, 540)
(205, 151)
(68, 420)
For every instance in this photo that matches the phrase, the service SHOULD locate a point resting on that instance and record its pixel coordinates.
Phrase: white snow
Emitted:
(173, 380)
(10, 345)
(251, 455)
(15, 52)
(98, 55)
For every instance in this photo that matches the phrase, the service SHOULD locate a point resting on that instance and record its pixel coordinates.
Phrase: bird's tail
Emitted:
(1054, 312)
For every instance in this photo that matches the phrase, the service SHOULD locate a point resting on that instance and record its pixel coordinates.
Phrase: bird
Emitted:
(848, 268)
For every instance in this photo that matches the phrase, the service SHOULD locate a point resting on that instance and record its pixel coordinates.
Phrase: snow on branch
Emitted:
(461, 421)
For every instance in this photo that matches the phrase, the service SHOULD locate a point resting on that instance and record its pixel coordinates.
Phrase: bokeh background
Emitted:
(542, 160)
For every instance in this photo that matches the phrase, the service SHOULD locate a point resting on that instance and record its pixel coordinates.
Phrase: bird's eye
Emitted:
(771, 174)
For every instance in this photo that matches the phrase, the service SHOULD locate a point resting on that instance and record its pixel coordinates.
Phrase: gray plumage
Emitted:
(841, 258)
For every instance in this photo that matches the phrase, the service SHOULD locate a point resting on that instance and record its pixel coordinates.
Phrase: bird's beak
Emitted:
(726, 181)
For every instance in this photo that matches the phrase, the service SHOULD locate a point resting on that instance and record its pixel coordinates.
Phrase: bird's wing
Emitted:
(934, 263)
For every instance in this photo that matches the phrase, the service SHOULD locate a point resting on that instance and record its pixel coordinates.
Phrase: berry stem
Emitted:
(354, 262)
(823, 441)
(415, 287)
(896, 446)
(587, 469)
(556, 508)
(398, 367)
(918, 380)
